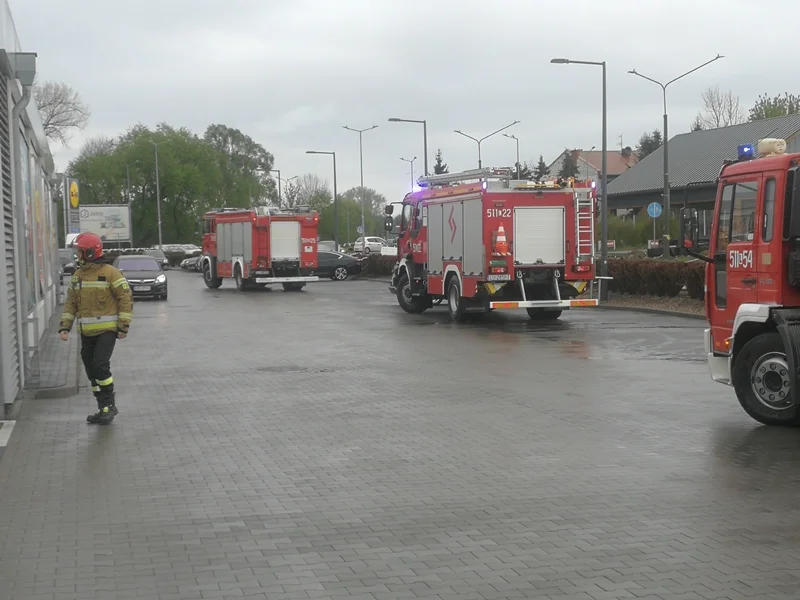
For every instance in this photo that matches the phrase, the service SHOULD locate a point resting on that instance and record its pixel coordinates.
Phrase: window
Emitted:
(743, 223)
(408, 212)
(724, 227)
(769, 211)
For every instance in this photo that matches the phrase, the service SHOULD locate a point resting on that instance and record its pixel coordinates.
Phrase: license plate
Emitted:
(141, 288)
(503, 277)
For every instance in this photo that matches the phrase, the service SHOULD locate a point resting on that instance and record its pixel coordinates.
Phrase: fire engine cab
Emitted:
(752, 300)
(260, 246)
(483, 241)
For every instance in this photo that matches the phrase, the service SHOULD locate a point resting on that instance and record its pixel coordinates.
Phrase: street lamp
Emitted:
(363, 195)
(667, 207)
(516, 139)
(424, 136)
(411, 162)
(335, 197)
(158, 191)
(486, 137)
(604, 183)
(280, 197)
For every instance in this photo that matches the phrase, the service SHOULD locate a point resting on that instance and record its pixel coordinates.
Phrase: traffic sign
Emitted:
(359, 229)
(654, 210)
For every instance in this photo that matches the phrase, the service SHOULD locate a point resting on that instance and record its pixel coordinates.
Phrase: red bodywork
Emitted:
(259, 259)
(498, 209)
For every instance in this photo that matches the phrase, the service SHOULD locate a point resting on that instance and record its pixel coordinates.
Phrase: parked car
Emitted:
(159, 255)
(192, 264)
(337, 266)
(67, 260)
(145, 275)
(372, 244)
(327, 246)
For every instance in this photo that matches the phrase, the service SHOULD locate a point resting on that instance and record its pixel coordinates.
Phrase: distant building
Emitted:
(695, 160)
(590, 163)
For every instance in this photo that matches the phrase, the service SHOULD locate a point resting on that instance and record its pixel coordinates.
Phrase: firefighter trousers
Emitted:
(96, 351)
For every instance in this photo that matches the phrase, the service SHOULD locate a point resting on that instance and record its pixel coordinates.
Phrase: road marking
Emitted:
(6, 427)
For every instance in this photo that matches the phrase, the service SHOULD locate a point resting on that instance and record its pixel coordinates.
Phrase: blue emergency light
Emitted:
(746, 152)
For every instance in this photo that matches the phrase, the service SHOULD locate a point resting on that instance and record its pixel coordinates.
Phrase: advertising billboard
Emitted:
(112, 222)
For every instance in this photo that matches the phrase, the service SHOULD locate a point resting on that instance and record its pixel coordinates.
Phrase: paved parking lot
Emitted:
(327, 445)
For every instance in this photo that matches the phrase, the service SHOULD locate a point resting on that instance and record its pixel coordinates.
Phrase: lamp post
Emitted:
(158, 191)
(424, 136)
(280, 197)
(486, 137)
(516, 139)
(411, 162)
(335, 197)
(604, 183)
(363, 195)
(667, 207)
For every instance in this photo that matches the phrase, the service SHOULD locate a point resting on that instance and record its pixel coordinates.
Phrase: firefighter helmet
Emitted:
(88, 247)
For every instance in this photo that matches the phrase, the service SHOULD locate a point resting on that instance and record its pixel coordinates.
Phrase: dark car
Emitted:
(159, 255)
(336, 265)
(144, 274)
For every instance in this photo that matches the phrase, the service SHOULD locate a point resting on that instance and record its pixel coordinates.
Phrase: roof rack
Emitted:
(485, 173)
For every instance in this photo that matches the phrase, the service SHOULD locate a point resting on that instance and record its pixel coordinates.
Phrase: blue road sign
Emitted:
(654, 210)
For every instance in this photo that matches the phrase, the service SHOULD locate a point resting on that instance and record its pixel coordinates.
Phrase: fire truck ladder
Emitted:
(584, 224)
(464, 176)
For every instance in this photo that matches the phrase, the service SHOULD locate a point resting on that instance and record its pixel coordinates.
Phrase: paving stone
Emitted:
(325, 444)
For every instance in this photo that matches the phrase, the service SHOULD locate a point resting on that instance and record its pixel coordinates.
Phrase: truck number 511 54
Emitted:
(504, 213)
(740, 259)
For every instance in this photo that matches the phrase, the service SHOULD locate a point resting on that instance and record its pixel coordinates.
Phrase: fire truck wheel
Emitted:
(540, 314)
(241, 284)
(293, 287)
(210, 281)
(762, 381)
(407, 302)
(455, 302)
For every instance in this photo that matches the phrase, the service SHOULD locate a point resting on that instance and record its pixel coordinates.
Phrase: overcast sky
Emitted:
(290, 73)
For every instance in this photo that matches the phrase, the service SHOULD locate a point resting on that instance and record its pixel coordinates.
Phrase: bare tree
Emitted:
(721, 109)
(290, 193)
(61, 110)
(312, 190)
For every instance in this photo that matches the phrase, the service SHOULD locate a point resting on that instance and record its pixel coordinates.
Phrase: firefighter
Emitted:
(100, 299)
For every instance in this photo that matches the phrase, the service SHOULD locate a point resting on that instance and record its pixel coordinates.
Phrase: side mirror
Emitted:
(388, 209)
(689, 229)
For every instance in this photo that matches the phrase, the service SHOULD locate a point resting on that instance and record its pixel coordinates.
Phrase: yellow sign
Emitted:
(73, 194)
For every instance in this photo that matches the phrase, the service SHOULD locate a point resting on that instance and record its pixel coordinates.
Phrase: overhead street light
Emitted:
(335, 197)
(667, 207)
(424, 136)
(363, 194)
(604, 183)
(158, 191)
(486, 137)
(516, 139)
(411, 162)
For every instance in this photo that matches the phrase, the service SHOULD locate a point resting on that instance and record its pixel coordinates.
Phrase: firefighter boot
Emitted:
(107, 406)
(95, 416)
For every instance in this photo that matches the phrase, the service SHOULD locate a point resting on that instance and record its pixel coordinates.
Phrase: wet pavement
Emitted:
(325, 444)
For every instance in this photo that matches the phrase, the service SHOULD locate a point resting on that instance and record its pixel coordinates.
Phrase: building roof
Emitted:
(617, 161)
(697, 157)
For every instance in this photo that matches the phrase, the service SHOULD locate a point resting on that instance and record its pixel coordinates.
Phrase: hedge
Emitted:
(657, 278)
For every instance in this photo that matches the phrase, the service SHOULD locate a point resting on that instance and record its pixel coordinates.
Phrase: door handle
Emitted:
(749, 280)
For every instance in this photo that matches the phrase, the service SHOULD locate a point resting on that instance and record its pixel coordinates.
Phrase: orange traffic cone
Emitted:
(500, 244)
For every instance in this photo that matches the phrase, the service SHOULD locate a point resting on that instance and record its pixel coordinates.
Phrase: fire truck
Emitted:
(752, 300)
(484, 241)
(260, 246)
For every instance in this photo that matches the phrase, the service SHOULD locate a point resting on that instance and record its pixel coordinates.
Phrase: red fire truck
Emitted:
(260, 246)
(752, 300)
(483, 241)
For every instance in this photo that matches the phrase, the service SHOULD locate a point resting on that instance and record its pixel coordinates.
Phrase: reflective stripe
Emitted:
(95, 388)
(95, 284)
(105, 382)
(125, 316)
(120, 282)
(103, 319)
(67, 317)
(98, 327)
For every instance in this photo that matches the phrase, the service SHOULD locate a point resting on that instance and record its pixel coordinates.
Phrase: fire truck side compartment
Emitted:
(472, 227)
(453, 245)
(435, 239)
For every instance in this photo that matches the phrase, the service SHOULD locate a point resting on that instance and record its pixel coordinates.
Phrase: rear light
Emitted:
(498, 270)
(581, 268)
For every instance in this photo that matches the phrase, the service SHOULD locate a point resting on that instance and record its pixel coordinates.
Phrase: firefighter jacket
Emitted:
(99, 298)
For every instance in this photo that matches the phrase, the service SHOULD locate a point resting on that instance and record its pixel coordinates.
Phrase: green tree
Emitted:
(522, 171)
(245, 166)
(541, 171)
(648, 143)
(439, 166)
(569, 167)
(373, 201)
(767, 107)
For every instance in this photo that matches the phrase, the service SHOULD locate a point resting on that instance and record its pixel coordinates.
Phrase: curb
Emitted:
(653, 311)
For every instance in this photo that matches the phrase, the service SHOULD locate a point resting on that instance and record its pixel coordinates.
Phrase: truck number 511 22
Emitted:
(740, 259)
(504, 213)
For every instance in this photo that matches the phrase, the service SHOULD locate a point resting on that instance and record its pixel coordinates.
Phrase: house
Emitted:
(695, 160)
(590, 163)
